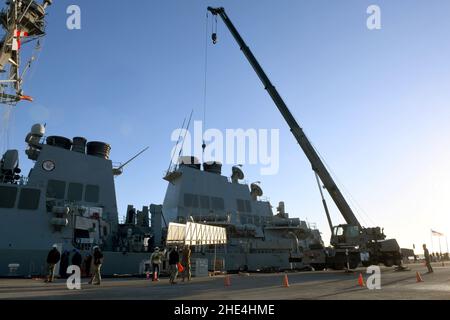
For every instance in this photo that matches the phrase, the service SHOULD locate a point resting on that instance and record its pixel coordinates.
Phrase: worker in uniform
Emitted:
(64, 264)
(87, 263)
(426, 253)
(186, 262)
(53, 258)
(156, 260)
(174, 259)
(98, 261)
(76, 258)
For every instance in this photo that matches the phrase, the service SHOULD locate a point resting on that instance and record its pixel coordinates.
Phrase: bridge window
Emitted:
(29, 199)
(217, 203)
(56, 189)
(243, 205)
(8, 197)
(248, 206)
(75, 192)
(204, 202)
(190, 200)
(240, 205)
(92, 193)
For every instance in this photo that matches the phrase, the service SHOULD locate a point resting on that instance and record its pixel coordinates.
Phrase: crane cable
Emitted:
(351, 198)
(205, 82)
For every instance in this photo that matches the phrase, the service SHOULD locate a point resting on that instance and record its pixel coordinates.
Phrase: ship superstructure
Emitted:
(69, 199)
(257, 238)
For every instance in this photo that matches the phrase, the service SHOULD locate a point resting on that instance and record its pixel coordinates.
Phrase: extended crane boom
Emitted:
(351, 244)
(316, 163)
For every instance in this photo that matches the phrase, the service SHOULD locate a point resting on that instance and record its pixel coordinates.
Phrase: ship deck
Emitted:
(302, 285)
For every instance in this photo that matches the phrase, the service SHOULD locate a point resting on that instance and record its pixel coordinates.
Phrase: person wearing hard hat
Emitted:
(53, 258)
(98, 261)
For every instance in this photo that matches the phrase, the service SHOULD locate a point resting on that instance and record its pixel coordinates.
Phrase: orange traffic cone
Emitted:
(361, 280)
(418, 277)
(285, 281)
(227, 281)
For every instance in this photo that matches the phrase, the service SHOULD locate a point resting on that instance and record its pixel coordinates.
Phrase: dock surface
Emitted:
(302, 285)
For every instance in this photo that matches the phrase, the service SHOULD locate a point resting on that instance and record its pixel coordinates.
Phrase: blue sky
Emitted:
(375, 103)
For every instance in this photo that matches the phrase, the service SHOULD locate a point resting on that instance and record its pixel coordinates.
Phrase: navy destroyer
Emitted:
(69, 199)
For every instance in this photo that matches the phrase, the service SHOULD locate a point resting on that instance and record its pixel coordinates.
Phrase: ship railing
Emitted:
(172, 168)
(117, 168)
(23, 181)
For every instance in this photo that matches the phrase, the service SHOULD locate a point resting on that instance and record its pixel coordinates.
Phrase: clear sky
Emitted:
(376, 104)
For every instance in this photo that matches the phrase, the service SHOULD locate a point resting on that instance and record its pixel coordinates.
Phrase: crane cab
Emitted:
(345, 235)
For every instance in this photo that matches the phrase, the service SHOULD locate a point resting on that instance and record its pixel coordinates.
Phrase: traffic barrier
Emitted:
(361, 280)
(227, 281)
(285, 281)
(418, 277)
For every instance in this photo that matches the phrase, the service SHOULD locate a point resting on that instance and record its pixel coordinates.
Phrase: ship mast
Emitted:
(22, 22)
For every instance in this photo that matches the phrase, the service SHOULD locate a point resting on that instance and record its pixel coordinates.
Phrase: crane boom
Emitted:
(316, 163)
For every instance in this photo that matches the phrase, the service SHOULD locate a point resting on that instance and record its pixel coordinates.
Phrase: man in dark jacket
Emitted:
(98, 261)
(53, 258)
(64, 264)
(87, 265)
(76, 258)
(174, 259)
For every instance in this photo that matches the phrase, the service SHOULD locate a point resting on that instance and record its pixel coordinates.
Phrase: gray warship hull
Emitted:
(32, 263)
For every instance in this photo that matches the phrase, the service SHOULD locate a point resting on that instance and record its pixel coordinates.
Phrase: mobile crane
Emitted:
(351, 244)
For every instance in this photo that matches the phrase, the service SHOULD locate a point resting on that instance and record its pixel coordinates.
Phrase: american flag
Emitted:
(435, 233)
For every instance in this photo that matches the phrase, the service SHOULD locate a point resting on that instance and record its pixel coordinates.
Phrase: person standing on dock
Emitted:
(64, 264)
(174, 259)
(87, 265)
(426, 253)
(156, 260)
(53, 258)
(186, 262)
(98, 261)
(76, 258)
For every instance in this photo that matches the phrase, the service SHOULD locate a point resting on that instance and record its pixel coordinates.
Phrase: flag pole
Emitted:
(446, 241)
(431, 231)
